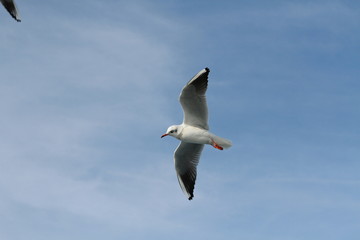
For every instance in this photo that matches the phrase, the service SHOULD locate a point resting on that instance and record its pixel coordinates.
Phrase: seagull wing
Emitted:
(186, 158)
(193, 100)
(11, 8)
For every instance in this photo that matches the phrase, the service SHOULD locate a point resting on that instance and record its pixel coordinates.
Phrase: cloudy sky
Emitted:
(88, 87)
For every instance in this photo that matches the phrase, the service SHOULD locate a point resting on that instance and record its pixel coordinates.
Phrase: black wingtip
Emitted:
(191, 197)
(207, 69)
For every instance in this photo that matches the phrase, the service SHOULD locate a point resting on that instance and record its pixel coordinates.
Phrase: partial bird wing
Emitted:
(193, 100)
(186, 158)
(11, 8)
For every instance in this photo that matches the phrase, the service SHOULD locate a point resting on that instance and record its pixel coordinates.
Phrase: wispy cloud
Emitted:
(87, 90)
(78, 103)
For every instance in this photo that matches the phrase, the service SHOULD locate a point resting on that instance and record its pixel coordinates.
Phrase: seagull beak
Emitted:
(164, 135)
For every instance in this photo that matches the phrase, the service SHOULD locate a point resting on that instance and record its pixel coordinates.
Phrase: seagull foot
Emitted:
(215, 145)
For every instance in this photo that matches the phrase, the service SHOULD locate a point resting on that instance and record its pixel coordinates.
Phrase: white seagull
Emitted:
(193, 132)
(11, 8)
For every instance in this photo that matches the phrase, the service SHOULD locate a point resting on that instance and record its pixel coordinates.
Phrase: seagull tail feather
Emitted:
(225, 143)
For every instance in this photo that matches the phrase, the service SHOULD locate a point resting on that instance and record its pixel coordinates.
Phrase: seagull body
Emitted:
(190, 134)
(193, 132)
(11, 8)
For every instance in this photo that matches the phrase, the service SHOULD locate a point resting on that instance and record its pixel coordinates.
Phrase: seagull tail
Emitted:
(225, 143)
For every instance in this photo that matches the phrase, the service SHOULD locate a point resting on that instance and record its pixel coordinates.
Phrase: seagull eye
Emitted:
(171, 131)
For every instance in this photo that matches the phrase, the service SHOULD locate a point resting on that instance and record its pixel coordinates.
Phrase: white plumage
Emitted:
(193, 132)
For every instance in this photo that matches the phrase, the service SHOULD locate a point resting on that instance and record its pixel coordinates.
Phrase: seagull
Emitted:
(11, 8)
(193, 132)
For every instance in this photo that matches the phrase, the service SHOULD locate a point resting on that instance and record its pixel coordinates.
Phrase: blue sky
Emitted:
(88, 87)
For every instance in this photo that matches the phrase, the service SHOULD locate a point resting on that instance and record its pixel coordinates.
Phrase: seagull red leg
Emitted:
(215, 145)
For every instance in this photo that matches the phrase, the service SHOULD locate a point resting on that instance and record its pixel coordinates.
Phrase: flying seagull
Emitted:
(193, 132)
(11, 8)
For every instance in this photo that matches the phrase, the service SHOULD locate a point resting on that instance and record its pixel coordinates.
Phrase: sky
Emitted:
(88, 87)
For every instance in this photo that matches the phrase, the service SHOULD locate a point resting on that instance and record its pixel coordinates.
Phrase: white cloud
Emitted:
(87, 90)
(78, 96)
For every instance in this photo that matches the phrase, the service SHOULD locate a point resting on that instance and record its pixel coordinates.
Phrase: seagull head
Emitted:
(172, 131)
